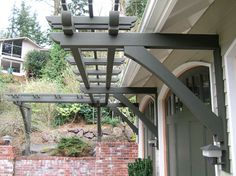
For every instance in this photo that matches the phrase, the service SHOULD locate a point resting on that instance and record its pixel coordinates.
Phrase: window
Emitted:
(5, 64)
(7, 48)
(16, 67)
(8, 65)
(12, 48)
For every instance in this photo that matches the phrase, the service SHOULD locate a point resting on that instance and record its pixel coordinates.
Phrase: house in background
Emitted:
(13, 52)
(181, 135)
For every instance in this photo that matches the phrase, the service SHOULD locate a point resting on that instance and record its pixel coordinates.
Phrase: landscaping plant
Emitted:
(141, 167)
(73, 147)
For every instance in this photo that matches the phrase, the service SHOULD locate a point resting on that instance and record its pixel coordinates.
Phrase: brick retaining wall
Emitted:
(6, 160)
(111, 159)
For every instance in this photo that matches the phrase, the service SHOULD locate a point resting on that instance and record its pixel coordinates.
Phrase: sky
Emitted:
(43, 9)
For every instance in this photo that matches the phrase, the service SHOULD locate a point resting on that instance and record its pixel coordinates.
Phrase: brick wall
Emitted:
(6, 160)
(111, 159)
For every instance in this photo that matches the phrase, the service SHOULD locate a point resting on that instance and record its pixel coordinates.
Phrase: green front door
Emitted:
(185, 134)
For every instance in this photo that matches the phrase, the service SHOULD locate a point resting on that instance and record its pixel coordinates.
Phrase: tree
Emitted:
(78, 7)
(22, 24)
(12, 27)
(56, 65)
(35, 63)
(135, 7)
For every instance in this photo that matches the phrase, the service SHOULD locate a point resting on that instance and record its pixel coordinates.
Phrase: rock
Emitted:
(128, 132)
(89, 135)
(81, 133)
(75, 131)
(117, 131)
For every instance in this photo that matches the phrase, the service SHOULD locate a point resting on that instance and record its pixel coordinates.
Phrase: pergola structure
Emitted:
(101, 81)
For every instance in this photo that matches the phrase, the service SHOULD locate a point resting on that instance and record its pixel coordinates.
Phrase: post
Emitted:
(99, 128)
(26, 114)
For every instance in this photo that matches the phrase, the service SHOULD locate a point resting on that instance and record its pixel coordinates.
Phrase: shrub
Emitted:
(111, 121)
(56, 65)
(87, 112)
(73, 146)
(35, 63)
(141, 167)
(65, 113)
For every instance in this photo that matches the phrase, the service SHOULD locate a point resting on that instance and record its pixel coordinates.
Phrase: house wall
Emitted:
(219, 19)
(111, 159)
(26, 47)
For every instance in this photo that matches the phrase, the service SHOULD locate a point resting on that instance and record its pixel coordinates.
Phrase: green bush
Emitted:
(35, 63)
(65, 113)
(141, 167)
(72, 146)
(111, 121)
(56, 65)
(87, 112)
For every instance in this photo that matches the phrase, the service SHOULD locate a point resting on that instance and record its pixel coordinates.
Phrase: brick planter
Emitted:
(111, 159)
(7, 156)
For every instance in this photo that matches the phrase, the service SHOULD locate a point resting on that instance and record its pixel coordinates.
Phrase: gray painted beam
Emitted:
(199, 110)
(116, 5)
(140, 115)
(98, 61)
(49, 98)
(148, 40)
(96, 49)
(100, 80)
(95, 27)
(80, 65)
(120, 90)
(99, 127)
(124, 118)
(117, 105)
(110, 60)
(90, 4)
(100, 23)
(98, 72)
(26, 115)
(221, 106)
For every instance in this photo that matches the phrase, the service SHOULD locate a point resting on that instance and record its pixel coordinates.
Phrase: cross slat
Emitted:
(98, 61)
(98, 72)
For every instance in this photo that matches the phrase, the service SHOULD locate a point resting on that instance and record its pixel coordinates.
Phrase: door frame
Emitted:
(141, 142)
(230, 67)
(163, 160)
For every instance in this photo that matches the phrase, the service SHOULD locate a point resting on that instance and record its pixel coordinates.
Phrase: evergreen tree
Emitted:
(11, 30)
(135, 7)
(78, 7)
(22, 24)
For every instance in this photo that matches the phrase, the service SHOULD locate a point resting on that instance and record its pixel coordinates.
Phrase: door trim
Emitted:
(163, 161)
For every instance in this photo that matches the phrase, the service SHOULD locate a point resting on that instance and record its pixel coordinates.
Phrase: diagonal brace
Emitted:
(199, 110)
(124, 118)
(140, 115)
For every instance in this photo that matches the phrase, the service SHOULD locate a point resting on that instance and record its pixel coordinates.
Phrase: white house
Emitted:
(180, 133)
(13, 52)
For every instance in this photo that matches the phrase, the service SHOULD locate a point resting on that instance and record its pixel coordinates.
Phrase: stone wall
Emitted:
(111, 159)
